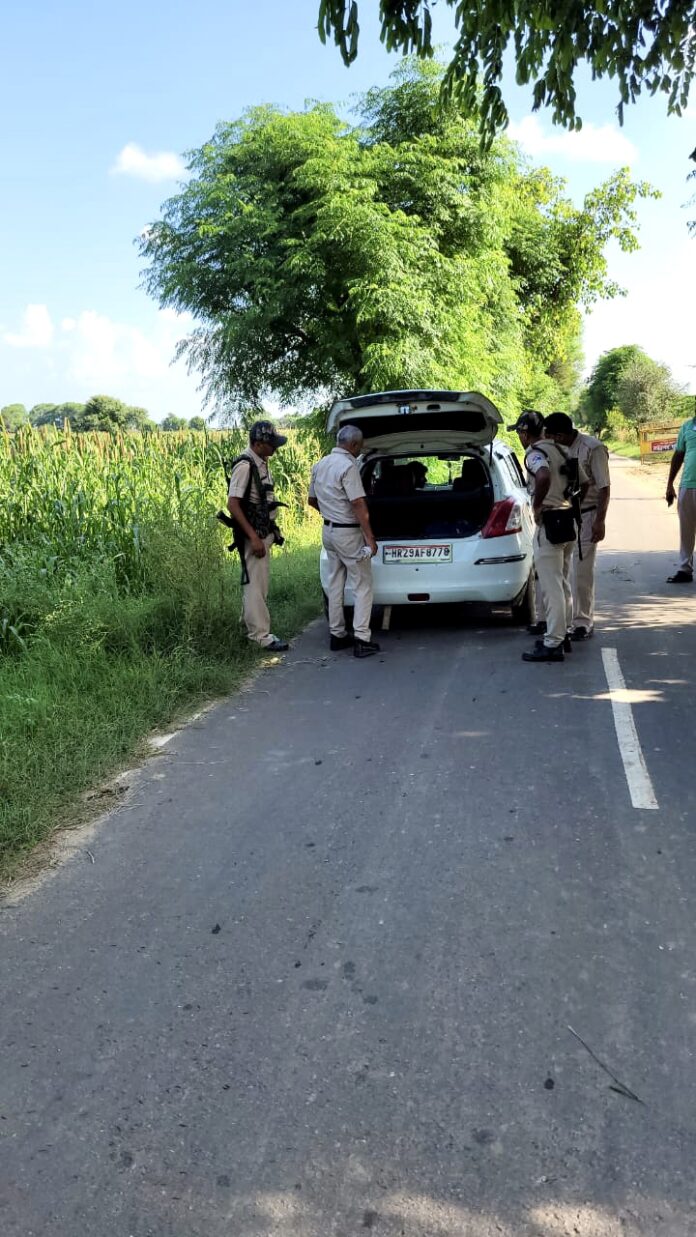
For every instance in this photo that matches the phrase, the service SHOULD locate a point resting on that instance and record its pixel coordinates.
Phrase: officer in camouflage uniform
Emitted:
(251, 504)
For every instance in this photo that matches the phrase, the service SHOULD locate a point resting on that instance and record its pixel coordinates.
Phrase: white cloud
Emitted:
(133, 161)
(591, 144)
(89, 352)
(103, 352)
(36, 330)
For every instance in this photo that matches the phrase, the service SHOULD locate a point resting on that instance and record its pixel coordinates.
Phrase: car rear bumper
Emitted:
(497, 574)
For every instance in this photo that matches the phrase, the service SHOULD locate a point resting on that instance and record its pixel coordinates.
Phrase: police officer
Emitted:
(251, 504)
(554, 538)
(337, 492)
(594, 457)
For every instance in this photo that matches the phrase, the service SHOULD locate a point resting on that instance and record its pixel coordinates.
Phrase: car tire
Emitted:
(522, 607)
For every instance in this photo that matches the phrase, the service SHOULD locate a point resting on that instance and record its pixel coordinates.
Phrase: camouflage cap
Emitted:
(531, 421)
(265, 431)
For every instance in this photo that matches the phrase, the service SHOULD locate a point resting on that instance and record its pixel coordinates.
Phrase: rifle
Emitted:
(573, 492)
(261, 519)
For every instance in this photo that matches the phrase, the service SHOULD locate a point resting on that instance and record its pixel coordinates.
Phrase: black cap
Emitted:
(559, 423)
(531, 421)
(265, 431)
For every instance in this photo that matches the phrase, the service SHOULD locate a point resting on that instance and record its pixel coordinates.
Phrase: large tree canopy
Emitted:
(627, 383)
(647, 393)
(647, 44)
(601, 393)
(316, 256)
(13, 417)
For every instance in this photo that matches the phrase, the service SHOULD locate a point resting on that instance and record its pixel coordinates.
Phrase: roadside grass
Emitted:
(92, 671)
(630, 450)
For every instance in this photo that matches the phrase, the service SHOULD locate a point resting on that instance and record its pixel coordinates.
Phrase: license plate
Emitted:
(417, 554)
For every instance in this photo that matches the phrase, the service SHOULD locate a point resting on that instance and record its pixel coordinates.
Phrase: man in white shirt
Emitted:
(337, 492)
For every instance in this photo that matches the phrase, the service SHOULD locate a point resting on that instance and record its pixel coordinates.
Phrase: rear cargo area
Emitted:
(404, 506)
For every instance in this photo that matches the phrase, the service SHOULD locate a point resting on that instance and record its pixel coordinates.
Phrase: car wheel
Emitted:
(522, 607)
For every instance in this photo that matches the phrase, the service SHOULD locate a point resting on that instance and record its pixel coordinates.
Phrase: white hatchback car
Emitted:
(448, 505)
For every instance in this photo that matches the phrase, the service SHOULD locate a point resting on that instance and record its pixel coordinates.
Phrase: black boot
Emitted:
(581, 633)
(340, 642)
(540, 652)
(364, 648)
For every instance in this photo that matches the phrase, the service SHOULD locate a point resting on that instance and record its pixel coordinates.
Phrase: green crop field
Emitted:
(119, 604)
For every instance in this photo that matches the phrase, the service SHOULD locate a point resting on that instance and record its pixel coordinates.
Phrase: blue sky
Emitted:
(99, 104)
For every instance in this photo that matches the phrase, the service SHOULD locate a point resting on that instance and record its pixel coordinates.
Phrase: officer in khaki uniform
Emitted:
(553, 554)
(251, 504)
(594, 458)
(337, 492)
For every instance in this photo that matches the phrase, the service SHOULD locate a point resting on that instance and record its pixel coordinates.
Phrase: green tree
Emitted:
(139, 419)
(14, 416)
(71, 412)
(317, 256)
(44, 414)
(647, 393)
(601, 394)
(103, 412)
(651, 46)
(172, 422)
(197, 423)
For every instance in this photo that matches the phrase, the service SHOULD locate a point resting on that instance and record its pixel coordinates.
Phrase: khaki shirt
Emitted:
(240, 478)
(335, 484)
(594, 458)
(545, 454)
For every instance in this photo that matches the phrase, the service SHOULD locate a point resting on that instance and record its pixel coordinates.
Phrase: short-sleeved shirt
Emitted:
(686, 442)
(545, 454)
(240, 477)
(594, 458)
(336, 483)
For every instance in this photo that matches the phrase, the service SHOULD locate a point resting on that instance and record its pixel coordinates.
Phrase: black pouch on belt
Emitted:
(559, 525)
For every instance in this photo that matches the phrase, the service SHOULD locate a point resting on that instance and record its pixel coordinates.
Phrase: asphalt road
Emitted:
(316, 977)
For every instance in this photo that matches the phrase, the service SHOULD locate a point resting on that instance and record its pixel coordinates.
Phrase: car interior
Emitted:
(424, 497)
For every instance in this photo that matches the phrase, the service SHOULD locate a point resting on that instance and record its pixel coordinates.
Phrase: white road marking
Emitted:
(639, 785)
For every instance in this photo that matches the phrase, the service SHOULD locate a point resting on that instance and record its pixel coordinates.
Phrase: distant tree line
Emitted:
(101, 412)
(628, 389)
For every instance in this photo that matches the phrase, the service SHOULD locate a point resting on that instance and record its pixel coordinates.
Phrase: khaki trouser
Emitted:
(255, 614)
(552, 563)
(686, 506)
(584, 575)
(537, 608)
(343, 545)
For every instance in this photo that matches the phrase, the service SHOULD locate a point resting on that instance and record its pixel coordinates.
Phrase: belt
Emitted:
(333, 524)
(584, 510)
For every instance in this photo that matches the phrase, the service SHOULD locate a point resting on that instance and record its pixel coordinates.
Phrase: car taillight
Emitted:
(505, 518)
